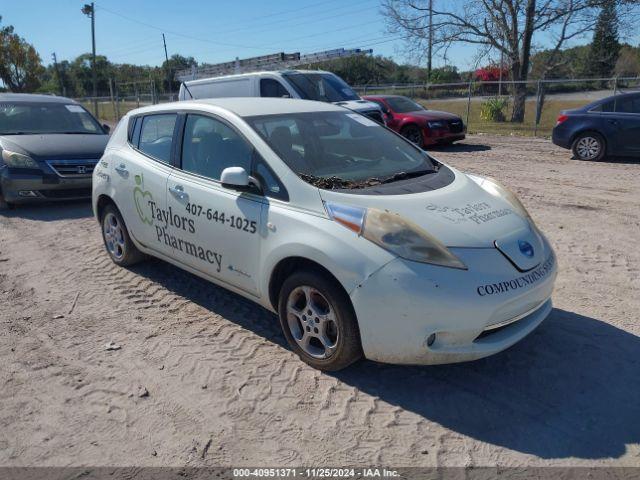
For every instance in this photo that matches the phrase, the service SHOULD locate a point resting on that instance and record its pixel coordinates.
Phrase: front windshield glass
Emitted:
(403, 105)
(341, 150)
(44, 118)
(323, 87)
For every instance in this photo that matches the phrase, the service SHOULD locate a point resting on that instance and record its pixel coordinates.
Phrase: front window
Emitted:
(209, 146)
(324, 87)
(337, 150)
(46, 118)
(403, 105)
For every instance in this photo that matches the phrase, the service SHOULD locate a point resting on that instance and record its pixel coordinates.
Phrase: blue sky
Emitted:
(210, 30)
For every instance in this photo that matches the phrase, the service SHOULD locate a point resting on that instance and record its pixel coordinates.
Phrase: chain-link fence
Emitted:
(123, 97)
(486, 107)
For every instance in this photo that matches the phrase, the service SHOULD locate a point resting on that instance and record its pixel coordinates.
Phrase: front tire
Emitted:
(589, 146)
(413, 134)
(117, 240)
(318, 321)
(4, 205)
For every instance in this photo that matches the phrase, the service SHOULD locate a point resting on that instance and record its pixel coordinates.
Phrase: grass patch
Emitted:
(476, 124)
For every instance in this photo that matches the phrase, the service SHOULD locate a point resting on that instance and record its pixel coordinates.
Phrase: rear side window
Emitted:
(272, 88)
(628, 105)
(156, 135)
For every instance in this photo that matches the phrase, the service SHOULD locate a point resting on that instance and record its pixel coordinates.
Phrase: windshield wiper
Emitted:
(404, 175)
(337, 183)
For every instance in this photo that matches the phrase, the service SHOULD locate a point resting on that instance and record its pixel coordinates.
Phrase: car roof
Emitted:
(246, 106)
(31, 97)
(249, 74)
(617, 96)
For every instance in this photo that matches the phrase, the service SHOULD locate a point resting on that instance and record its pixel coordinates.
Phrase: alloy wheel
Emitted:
(312, 322)
(413, 135)
(114, 236)
(588, 148)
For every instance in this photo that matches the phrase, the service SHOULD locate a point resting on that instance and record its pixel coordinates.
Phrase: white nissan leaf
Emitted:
(363, 244)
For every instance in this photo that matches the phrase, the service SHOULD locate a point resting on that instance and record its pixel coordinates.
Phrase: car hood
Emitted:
(462, 214)
(432, 115)
(56, 145)
(359, 105)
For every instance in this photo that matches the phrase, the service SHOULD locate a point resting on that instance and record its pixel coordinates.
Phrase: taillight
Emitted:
(561, 119)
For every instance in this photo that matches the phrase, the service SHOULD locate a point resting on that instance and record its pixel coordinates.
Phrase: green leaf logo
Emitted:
(141, 198)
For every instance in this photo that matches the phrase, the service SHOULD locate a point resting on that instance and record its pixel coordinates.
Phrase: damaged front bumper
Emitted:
(414, 313)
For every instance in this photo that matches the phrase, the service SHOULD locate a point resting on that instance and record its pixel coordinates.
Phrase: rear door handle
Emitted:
(178, 191)
(122, 169)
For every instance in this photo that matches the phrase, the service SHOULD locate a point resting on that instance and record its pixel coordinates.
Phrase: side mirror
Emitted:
(106, 127)
(237, 178)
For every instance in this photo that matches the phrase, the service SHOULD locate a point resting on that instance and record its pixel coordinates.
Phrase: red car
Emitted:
(423, 127)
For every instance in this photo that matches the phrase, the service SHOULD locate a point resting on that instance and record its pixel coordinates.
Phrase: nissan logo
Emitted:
(525, 248)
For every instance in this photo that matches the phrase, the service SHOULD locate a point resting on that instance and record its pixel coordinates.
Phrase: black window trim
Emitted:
(278, 81)
(136, 134)
(615, 99)
(282, 196)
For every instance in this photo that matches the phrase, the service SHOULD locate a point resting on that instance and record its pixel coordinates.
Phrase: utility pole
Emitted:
(90, 11)
(55, 67)
(166, 57)
(430, 48)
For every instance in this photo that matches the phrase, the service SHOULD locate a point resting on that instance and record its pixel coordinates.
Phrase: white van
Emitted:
(304, 84)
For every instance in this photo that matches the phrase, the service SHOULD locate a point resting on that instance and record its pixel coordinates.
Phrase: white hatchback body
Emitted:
(408, 312)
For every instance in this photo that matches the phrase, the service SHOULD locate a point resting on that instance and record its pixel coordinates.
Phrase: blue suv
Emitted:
(610, 126)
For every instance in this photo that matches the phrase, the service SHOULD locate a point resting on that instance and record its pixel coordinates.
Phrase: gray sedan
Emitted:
(49, 147)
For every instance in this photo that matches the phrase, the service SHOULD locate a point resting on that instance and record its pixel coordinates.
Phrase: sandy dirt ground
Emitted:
(204, 377)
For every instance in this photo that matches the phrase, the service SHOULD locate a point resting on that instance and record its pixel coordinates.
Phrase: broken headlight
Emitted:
(395, 234)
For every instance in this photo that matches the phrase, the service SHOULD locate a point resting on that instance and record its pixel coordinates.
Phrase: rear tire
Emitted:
(117, 240)
(589, 146)
(413, 134)
(318, 321)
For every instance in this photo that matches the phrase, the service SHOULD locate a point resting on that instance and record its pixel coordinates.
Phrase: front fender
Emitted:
(349, 258)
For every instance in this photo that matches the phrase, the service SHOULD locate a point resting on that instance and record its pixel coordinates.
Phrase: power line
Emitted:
(191, 37)
(148, 25)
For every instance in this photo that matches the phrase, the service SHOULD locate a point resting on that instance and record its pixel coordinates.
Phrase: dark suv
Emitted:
(610, 126)
(49, 147)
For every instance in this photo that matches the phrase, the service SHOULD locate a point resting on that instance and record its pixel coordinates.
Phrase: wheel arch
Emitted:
(101, 203)
(409, 124)
(590, 129)
(286, 266)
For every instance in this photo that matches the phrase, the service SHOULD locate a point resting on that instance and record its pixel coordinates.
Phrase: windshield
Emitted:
(403, 105)
(341, 150)
(324, 87)
(44, 117)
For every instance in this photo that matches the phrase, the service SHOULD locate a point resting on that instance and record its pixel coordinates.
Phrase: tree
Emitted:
(175, 63)
(605, 47)
(628, 64)
(20, 64)
(508, 26)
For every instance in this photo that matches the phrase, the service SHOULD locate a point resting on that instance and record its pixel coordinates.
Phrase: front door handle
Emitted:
(178, 191)
(122, 169)
(614, 122)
